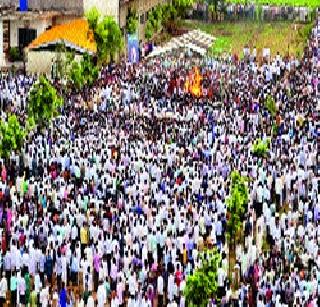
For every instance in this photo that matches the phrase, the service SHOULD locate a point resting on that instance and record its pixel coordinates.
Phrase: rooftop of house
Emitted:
(75, 35)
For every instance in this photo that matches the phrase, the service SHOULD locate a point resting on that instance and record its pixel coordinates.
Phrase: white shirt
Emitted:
(221, 277)
(3, 287)
(160, 285)
(101, 295)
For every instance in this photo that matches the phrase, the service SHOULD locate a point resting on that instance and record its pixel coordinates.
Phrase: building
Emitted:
(20, 26)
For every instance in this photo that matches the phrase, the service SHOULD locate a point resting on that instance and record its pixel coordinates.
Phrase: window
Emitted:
(26, 36)
(142, 19)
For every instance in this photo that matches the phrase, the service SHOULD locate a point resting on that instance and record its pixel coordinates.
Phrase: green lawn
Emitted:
(278, 36)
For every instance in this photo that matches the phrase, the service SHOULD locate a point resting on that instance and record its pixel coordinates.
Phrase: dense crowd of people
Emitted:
(124, 190)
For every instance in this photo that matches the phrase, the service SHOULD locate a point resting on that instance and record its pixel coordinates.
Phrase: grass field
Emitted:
(278, 36)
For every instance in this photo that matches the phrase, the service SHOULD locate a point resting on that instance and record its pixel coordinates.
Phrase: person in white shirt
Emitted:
(3, 289)
(170, 294)
(90, 302)
(160, 290)
(101, 295)
(132, 284)
(44, 297)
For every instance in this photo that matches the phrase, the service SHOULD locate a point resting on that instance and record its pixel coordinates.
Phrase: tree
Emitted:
(83, 72)
(182, 6)
(260, 147)
(75, 75)
(89, 70)
(43, 102)
(63, 61)
(202, 284)
(156, 18)
(169, 17)
(93, 16)
(110, 39)
(12, 136)
(270, 105)
(154, 22)
(132, 21)
(107, 35)
(148, 31)
(236, 208)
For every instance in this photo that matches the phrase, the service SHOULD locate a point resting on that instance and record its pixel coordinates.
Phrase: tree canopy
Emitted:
(132, 21)
(84, 72)
(107, 35)
(202, 284)
(236, 203)
(182, 6)
(260, 147)
(270, 105)
(43, 101)
(11, 136)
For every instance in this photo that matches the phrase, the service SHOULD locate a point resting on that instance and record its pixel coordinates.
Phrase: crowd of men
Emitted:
(125, 189)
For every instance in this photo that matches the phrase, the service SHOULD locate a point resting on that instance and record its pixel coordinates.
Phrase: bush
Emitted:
(12, 136)
(14, 54)
(270, 105)
(260, 148)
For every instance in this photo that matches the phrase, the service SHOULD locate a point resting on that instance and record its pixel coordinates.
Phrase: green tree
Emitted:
(260, 147)
(148, 31)
(182, 6)
(43, 102)
(89, 70)
(202, 284)
(83, 73)
(156, 18)
(110, 39)
(107, 35)
(169, 17)
(236, 207)
(75, 75)
(270, 105)
(63, 61)
(132, 21)
(12, 136)
(93, 16)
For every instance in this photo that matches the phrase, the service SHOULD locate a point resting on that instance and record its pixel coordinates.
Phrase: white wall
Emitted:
(1, 44)
(38, 24)
(41, 61)
(106, 7)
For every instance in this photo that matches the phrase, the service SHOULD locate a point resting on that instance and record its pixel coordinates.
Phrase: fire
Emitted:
(193, 82)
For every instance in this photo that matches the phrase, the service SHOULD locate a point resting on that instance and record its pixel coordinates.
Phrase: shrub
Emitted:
(260, 147)
(14, 54)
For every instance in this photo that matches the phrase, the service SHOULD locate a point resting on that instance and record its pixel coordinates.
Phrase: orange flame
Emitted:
(193, 83)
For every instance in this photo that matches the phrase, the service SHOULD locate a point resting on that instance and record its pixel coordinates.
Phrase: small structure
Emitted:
(195, 40)
(42, 52)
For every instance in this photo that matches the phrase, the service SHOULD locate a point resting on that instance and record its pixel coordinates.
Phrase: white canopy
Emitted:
(195, 40)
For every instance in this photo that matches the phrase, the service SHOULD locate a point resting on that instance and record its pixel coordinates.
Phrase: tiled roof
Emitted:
(75, 34)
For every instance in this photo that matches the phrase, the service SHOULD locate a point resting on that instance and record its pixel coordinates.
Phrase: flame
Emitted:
(193, 82)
